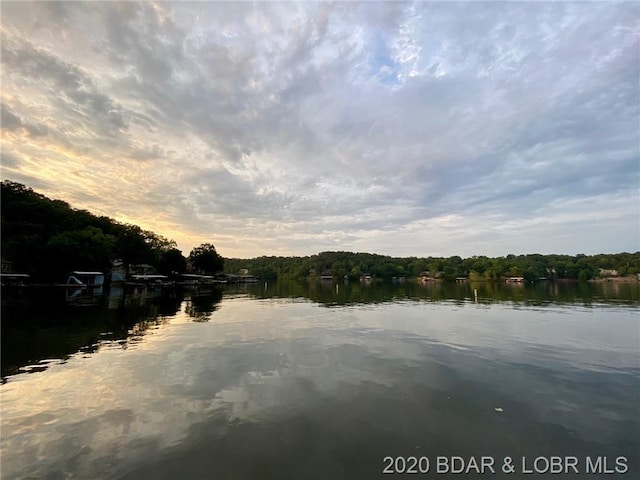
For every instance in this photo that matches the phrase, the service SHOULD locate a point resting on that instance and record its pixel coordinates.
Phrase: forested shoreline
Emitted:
(47, 238)
(478, 268)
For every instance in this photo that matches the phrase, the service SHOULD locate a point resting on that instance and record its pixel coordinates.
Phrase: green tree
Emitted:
(206, 259)
(157, 243)
(338, 269)
(434, 268)
(172, 261)
(87, 249)
(132, 247)
(355, 272)
(474, 276)
(265, 273)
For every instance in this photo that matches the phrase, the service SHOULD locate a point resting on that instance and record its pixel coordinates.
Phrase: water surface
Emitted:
(323, 381)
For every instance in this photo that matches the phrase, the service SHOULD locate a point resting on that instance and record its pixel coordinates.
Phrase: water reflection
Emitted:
(200, 307)
(543, 293)
(41, 324)
(81, 296)
(46, 324)
(255, 382)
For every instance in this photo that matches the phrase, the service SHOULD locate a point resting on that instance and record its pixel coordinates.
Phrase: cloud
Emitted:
(271, 128)
(8, 159)
(9, 120)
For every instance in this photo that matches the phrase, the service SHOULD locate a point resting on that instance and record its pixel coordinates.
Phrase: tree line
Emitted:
(480, 268)
(47, 238)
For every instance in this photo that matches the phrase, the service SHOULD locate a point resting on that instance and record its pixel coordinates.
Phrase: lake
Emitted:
(323, 381)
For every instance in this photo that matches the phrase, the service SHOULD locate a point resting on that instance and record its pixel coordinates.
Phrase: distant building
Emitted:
(515, 280)
(326, 275)
(117, 273)
(243, 271)
(142, 269)
(608, 273)
(425, 277)
(14, 279)
(7, 266)
(82, 278)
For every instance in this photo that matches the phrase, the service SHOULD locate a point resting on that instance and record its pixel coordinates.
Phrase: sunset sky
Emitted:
(293, 128)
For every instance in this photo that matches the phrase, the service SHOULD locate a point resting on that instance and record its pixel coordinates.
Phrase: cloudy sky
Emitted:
(292, 128)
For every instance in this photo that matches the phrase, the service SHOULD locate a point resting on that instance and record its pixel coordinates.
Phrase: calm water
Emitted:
(292, 381)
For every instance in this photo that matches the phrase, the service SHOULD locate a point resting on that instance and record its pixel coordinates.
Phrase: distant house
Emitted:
(326, 275)
(243, 271)
(7, 266)
(14, 279)
(117, 273)
(142, 269)
(425, 277)
(515, 280)
(9, 278)
(608, 273)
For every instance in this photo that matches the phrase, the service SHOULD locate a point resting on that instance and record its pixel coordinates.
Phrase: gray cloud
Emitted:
(9, 160)
(265, 124)
(72, 92)
(147, 153)
(8, 119)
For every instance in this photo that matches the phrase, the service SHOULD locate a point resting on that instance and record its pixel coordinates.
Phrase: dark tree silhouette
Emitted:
(206, 259)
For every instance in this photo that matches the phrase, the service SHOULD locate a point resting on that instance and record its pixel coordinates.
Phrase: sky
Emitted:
(291, 128)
